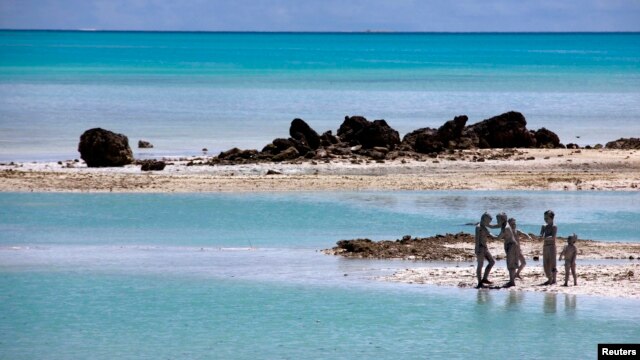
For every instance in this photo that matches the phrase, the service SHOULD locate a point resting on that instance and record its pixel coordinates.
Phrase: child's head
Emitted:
(572, 239)
(501, 218)
(486, 218)
(548, 216)
(512, 222)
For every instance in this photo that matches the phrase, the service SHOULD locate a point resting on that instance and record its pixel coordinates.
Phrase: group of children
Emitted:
(515, 259)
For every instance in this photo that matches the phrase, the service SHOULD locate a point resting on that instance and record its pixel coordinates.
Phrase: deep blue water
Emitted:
(153, 276)
(186, 91)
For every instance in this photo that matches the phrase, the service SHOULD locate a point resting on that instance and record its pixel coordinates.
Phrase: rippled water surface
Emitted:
(201, 276)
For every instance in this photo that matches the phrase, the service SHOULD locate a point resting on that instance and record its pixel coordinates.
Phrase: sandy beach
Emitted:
(526, 169)
(619, 280)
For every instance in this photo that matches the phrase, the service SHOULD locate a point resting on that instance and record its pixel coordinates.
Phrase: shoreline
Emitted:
(531, 169)
(619, 277)
(612, 281)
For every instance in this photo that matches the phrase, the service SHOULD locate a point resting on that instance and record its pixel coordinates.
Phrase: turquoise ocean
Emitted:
(188, 91)
(240, 275)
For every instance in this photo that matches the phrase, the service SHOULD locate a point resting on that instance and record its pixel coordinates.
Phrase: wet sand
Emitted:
(620, 280)
(528, 169)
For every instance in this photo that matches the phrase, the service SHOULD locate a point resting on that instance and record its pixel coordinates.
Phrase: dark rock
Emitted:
(339, 150)
(356, 130)
(536, 258)
(508, 130)
(373, 154)
(624, 143)
(270, 149)
(546, 139)
(409, 140)
(573, 146)
(273, 172)
(282, 144)
(302, 146)
(103, 148)
(152, 165)
(301, 131)
(205, 149)
(378, 134)
(451, 135)
(327, 139)
(229, 153)
(289, 154)
(598, 146)
(350, 126)
(452, 129)
(144, 144)
(427, 142)
(356, 246)
(235, 154)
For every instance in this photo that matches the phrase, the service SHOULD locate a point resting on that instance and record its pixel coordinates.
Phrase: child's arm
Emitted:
(563, 252)
(487, 232)
(523, 233)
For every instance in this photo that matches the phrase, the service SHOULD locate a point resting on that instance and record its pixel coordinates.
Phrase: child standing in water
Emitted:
(516, 233)
(569, 253)
(548, 233)
(482, 251)
(510, 248)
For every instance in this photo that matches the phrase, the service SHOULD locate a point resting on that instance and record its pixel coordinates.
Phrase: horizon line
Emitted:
(382, 32)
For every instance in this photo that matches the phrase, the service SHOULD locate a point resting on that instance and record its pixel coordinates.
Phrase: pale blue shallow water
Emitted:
(186, 91)
(154, 276)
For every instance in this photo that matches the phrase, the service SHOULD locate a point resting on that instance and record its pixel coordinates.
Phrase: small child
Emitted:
(569, 253)
(516, 233)
(510, 248)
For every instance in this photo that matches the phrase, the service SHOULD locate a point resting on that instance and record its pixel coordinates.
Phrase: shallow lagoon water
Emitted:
(238, 276)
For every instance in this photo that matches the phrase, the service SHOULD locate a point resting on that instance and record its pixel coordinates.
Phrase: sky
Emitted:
(323, 15)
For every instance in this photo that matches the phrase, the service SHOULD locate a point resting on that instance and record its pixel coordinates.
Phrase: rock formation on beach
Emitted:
(625, 144)
(508, 130)
(151, 165)
(144, 144)
(460, 247)
(362, 140)
(103, 148)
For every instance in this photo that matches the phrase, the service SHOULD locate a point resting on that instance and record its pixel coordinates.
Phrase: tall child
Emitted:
(482, 250)
(548, 233)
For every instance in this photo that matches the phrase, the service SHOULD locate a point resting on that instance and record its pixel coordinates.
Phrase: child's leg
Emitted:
(487, 270)
(573, 272)
(554, 269)
(522, 261)
(546, 262)
(567, 269)
(479, 267)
